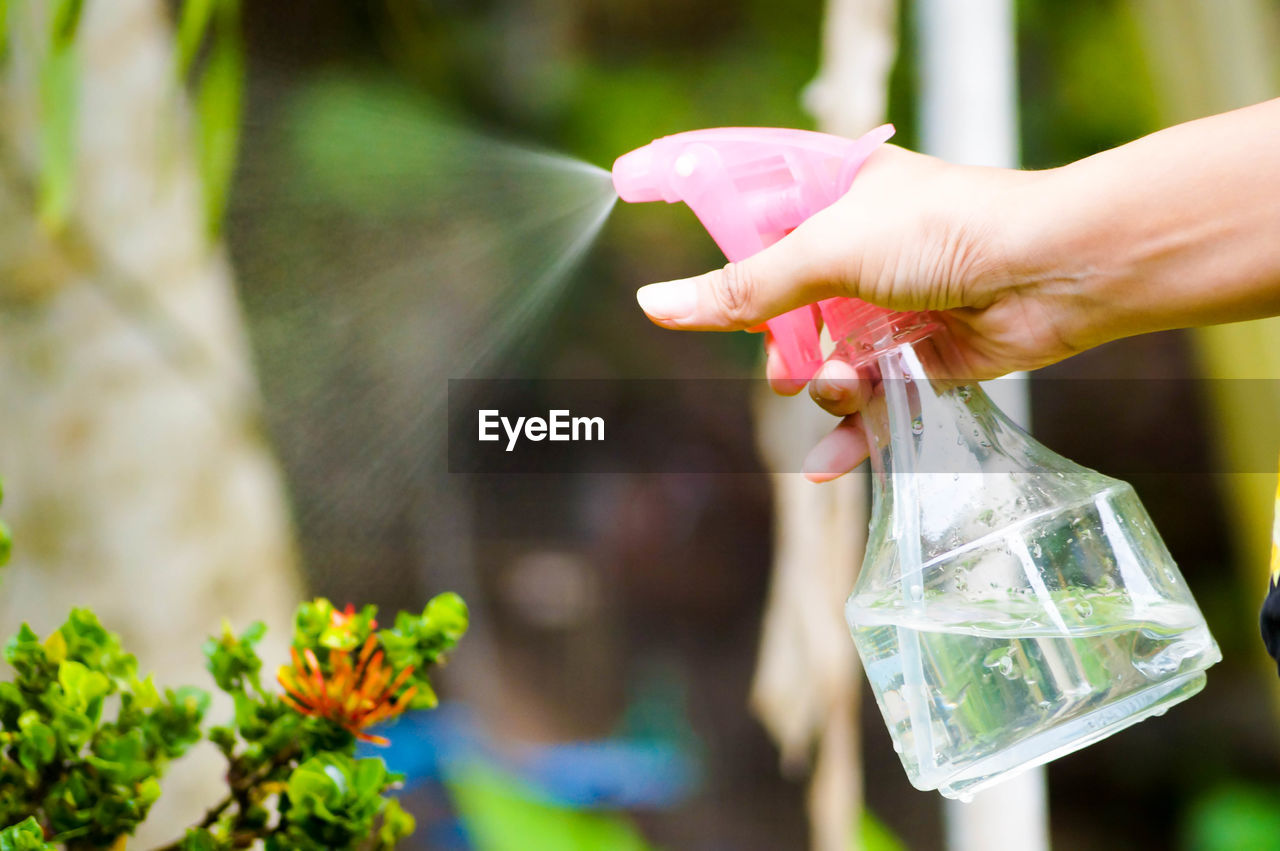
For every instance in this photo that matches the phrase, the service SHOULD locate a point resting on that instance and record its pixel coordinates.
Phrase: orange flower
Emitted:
(352, 696)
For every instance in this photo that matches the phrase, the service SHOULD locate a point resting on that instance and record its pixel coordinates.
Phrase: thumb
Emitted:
(801, 268)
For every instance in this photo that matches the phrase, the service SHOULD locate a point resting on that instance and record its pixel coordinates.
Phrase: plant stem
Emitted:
(216, 812)
(240, 796)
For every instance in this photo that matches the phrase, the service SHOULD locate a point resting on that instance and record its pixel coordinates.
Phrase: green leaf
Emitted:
(397, 825)
(174, 726)
(370, 777)
(425, 697)
(193, 22)
(75, 728)
(37, 744)
(333, 801)
(199, 839)
(246, 714)
(311, 786)
(255, 632)
(26, 654)
(219, 100)
(82, 686)
(12, 704)
(4, 27)
(233, 660)
(447, 613)
(23, 646)
(121, 758)
(24, 836)
(352, 633)
(224, 739)
(148, 791)
(64, 23)
(98, 649)
(55, 648)
(59, 91)
(319, 624)
(145, 694)
(419, 641)
(6, 539)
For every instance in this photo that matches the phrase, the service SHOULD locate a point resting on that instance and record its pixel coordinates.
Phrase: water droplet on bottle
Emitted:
(1083, 608)
(917, 425)
(1001, 660)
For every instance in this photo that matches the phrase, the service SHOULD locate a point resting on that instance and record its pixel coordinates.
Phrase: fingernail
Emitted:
(668, 300)
(827, 384)
(827, 391)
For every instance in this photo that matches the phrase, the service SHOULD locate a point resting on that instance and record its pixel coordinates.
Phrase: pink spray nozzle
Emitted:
(750, 186)
(635, 178)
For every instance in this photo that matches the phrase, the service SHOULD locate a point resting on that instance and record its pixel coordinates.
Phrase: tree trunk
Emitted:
(137, 479)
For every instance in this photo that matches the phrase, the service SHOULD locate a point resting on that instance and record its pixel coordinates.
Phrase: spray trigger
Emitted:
(751, 186)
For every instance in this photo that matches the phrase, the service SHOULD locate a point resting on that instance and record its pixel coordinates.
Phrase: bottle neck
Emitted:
(864, 332)
(922, 417)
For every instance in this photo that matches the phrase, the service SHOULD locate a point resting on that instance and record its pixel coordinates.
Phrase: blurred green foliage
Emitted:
(371, 146)
(209, 47)
(876, 836)
(91, 775)
(1234, 817)
(502, 813)
(219, 96)
(1084, 82)
(24, 836)
(84, 740)
(58, 90)
(6, 539)
(334, 802)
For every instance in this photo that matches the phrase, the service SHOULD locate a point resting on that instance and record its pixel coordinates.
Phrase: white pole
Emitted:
(969, 114)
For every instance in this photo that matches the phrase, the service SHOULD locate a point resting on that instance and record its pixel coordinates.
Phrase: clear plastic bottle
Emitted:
(1012, 606)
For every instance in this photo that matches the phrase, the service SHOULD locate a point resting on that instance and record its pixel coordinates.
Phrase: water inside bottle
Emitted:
(1031, 642)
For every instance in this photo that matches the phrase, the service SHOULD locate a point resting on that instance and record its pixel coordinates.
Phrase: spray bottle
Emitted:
(1012, 606)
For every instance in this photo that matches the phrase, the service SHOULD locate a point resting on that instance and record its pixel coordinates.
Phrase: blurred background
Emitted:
(232, 295)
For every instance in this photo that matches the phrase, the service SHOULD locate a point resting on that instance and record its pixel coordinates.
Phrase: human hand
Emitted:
(913, 233)
(1022, 268)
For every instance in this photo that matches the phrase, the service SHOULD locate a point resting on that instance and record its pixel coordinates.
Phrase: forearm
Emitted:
(1179, 228)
